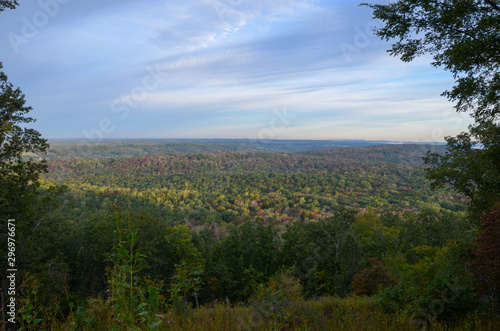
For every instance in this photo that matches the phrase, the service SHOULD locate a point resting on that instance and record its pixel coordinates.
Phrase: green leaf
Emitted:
(155, 325)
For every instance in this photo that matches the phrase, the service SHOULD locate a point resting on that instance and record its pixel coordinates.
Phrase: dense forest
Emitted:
(65, 149)
(239, 186)
(269, 240)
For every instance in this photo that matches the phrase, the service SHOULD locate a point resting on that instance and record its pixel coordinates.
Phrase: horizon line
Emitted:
(246, 139)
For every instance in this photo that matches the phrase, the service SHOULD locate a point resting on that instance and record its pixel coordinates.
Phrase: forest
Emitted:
(321, 239)
(65, 149)
(228, 186)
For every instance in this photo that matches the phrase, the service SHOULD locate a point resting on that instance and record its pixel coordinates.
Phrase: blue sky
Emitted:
(282, 69)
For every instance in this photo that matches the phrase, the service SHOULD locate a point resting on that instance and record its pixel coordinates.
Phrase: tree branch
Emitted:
(492, 4)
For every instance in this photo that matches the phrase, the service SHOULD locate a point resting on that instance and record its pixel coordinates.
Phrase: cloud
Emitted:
(225, 65)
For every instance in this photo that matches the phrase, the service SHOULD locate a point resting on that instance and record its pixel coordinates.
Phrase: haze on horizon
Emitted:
(282, 69)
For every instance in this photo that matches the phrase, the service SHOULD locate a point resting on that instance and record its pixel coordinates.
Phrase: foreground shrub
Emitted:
(279, 305)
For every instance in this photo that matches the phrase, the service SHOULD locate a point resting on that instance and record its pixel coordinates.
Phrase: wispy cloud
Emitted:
(224, 66)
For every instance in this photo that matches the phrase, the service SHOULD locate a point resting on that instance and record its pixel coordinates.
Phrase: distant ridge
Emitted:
(65, 149)
(389, 153)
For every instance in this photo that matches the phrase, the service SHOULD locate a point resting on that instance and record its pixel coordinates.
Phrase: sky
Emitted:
(270, 69)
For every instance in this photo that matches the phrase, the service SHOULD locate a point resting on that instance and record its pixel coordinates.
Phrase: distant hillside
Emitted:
(399, 154)
(243, 162)
(127, 148)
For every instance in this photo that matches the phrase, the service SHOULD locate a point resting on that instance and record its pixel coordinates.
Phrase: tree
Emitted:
(18, 176)
(324, 254)
(463, 36)
(247, 256)
(486, 260)
(437, 286)
(472, 171)
(371, 281)
(8, 5)
(36, 234)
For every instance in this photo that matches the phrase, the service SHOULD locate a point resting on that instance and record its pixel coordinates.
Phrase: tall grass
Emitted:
(326, 313)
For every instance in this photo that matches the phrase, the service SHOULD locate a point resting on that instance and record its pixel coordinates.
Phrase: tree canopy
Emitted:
(463, 36)
(17, 175)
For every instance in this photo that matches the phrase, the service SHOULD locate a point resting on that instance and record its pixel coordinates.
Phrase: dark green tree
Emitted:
(371, 281)
(485, 262)
(243, 259)
(324, 254)
(472, 171)
(18, 175)
(463, 37)
(37, 230)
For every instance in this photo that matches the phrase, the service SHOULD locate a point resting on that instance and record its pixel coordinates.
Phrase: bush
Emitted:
(279, 305)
